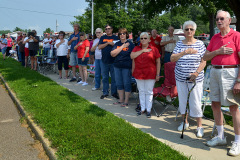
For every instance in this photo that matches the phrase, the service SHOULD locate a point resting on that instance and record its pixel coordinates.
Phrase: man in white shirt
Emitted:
(169, 42)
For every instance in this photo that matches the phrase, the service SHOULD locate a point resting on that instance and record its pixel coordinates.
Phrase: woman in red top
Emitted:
(83, 56)
(146, 71)
(9, 44)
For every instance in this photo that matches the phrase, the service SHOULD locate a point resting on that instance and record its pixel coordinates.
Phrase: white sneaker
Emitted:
(84, 84)
(217, 141)
(186, 126)
(94, 89)
(200, 132)
(235, 149)
(81, 82)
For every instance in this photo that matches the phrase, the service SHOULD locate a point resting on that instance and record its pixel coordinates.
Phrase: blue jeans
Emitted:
(123, 78)
(167, 56)
(98, 68)
(106, 68)
(47, 52)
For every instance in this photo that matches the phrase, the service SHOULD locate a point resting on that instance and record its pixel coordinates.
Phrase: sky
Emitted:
(16, 17)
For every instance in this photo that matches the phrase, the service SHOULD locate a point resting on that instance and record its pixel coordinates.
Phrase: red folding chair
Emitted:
(168, 89)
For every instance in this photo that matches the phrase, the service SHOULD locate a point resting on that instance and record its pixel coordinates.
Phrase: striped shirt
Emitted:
(189, 63)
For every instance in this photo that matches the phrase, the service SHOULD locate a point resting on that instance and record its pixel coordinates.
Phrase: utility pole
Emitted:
(92, 18)
(56, 25)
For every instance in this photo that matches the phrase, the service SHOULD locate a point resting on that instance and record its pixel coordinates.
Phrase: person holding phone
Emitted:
(122, 66)
(33, 48)
(146, 70)
(189, 64)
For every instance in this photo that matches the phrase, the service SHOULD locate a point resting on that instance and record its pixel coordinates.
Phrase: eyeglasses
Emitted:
(221, 19)
(98, 32)
(108, 28)
(143, 38)
(24, 34)
(60, 34)
(121, 34)
(187, 29)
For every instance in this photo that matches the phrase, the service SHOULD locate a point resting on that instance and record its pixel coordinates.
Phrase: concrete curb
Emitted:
(35, 129)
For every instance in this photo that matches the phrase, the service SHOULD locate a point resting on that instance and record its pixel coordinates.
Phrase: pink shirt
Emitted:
(233, 41)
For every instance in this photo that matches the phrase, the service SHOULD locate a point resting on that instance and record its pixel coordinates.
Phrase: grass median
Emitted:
(77, 128)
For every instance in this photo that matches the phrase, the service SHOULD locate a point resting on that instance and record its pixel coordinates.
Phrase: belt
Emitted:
(220, 67)
(168, 52)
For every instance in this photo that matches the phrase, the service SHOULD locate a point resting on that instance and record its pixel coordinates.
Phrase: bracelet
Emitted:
(198, 72)
(238, 80)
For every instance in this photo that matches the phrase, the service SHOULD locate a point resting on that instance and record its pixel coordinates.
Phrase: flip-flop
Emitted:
(124, 104)
(116, 103)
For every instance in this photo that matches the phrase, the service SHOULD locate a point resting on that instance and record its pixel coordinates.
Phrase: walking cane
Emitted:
(187, 106)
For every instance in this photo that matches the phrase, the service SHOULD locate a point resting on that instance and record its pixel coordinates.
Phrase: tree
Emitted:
(5, 31)
(48, 30)
(234, 5)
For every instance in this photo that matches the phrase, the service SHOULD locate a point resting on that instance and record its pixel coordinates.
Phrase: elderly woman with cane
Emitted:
(189, 68)
(146, 71)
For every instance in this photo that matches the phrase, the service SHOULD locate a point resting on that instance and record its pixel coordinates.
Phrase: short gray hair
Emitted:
(191, 23)
(226, 12)
(145, 33)
(76, 24)
(99, 29)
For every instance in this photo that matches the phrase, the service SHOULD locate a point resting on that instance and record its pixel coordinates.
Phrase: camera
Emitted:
(30, 34)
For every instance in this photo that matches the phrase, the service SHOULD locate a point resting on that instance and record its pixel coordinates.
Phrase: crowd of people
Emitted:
(122, 59)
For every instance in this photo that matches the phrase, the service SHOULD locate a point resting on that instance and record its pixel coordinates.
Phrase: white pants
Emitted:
(195, 103)
(145, 88)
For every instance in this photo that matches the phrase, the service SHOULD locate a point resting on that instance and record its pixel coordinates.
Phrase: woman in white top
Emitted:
(189, 64)
(98, 59)
(62, 51)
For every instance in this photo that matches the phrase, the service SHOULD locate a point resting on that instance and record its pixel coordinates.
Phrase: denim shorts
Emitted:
(73, 59)
(4, 50)
(83, 63)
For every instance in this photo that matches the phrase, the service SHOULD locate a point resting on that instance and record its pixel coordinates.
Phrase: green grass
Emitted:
(77, 128)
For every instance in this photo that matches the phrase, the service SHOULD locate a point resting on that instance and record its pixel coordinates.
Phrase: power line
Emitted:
(25, 10)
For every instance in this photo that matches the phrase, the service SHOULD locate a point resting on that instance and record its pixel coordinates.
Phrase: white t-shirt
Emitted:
(47, 45)
(170, 46)
(98, 52)
(26, 44)
(62, 49)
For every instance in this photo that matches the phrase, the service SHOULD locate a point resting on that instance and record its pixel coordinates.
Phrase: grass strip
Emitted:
(76, 127)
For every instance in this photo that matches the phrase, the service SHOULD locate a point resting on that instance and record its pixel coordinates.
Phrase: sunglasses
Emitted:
(143, 38)
(122, 34)
(221, 19)
(187, 29)
(60, 34)
(24, 34)
(108, 28)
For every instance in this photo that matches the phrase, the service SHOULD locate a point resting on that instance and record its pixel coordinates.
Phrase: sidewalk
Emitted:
(162, 128)
(16, 142)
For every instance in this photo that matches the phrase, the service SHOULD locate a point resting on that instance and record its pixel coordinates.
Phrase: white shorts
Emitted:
(221, 81)
(195, 104)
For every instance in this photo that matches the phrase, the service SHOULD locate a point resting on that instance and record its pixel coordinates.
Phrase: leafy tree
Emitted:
(5, 31)
(48, 30)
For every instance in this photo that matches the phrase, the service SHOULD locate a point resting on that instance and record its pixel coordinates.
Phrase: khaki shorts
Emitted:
(221, 81)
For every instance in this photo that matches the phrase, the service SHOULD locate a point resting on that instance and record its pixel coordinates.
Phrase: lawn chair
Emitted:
(206, 90)
(91, 71)
(168, 89)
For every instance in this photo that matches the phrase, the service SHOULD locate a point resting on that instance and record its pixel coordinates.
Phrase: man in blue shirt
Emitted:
(73, 41)
(106, 44)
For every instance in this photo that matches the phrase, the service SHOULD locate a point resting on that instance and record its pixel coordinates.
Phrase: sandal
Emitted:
(116, 103)
(124, 104)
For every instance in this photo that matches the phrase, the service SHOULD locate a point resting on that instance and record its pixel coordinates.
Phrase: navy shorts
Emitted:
(83, 63)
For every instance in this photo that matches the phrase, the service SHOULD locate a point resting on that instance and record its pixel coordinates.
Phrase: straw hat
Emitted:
(234, 98)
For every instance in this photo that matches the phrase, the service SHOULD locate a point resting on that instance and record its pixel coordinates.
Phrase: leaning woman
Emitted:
(146, 71)
(123, 66)
(188, 55)
(62, 51)
(83, 56)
